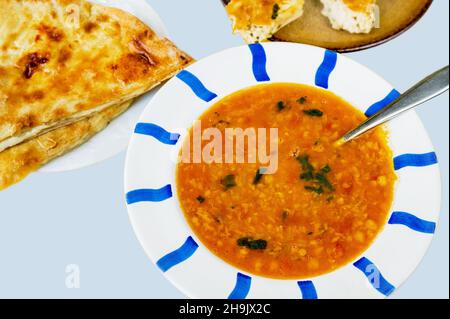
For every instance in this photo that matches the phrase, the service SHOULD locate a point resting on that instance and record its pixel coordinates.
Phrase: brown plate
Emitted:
(313, 28)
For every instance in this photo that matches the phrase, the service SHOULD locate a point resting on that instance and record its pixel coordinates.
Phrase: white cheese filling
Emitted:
(343, 18)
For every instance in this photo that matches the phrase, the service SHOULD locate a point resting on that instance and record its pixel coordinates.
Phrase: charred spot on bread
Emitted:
(64, 55)
(34, 96)
(184, 58)
(30, 158)
(53, 33)
(38, 95)
(130, 67)
(33, 61)
(102, 18)
(90, 26)
(27, 121)
(60, 112)
(141, 50)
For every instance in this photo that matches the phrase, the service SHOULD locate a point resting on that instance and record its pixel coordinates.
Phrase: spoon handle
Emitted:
(425, 90)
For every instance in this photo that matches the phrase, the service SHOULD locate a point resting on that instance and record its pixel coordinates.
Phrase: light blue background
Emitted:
(52, 220)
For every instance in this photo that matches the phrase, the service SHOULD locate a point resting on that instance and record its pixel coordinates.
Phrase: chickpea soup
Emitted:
(321, 207)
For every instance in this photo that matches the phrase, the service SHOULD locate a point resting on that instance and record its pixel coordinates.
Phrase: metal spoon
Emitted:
(427, 89)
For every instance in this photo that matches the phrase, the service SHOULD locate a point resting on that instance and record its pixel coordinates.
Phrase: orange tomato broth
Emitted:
(307, 233)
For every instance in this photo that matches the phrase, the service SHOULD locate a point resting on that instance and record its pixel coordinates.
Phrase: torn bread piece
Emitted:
(258, 20)
(19, 161)
(63, 60)
(354, 16)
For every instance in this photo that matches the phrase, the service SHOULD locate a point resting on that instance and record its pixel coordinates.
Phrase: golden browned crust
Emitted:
(258, 20)
(359, 5)
(66, 59)
(19, 161)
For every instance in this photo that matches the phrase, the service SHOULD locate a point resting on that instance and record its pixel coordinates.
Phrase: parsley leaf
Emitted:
(313, 113)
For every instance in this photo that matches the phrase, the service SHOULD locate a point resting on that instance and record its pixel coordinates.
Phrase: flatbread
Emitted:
(258, 20)
(19, 161)
(62, 60)
(354, 16)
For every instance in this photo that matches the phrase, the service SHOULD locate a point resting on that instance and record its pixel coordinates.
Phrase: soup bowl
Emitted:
(158, 219)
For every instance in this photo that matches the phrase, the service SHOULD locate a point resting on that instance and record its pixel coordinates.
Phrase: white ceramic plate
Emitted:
(116, 136)
(165, 235)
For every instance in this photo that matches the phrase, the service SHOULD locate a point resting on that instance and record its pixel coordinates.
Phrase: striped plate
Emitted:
(167, 238)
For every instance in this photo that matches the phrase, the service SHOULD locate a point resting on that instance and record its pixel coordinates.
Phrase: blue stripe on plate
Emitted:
(157, 132)
(149, 195)
(259, 62)
(178, 256)
(374, 275)
(415, 160)
(413, 222)
(326, 68)
(242, 288)
(196, 86)
(308, 290)
(378, 106)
